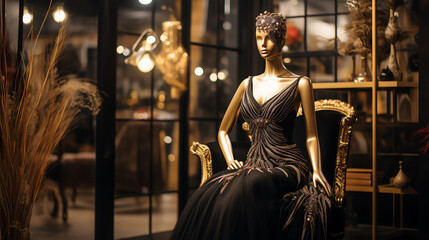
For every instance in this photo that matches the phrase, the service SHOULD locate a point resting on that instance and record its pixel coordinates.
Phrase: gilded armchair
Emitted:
(335, 121)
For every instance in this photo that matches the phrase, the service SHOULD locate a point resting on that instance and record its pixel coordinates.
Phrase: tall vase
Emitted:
(400, 180)
(364, 75)
(392, 33)
(393, 65)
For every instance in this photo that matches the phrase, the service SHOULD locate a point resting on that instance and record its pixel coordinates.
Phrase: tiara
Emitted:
(274, 24)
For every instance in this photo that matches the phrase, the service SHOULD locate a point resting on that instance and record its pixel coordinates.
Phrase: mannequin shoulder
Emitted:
(244, 83)
(305, 84)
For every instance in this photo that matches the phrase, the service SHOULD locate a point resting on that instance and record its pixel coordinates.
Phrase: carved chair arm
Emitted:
(342, 157)
(204, 154)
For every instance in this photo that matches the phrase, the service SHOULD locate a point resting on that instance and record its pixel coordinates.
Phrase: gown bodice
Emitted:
(271, 127)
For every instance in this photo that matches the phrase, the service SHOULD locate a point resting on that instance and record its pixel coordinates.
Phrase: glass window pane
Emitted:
(320, 31)
(165, 163)
(165, 216)
(291, 8)
(296, 65)
(132, 178)
(407, 22)
(166, 10)
(342, 34)
(322, 69)
(345, 68)
(227, 79)
(132, 86)
(320, 6)
(228, 29)
(132, 157)
(202, 132)
(294, 35)
(166, 96)
(204, 22)
(131, 217)
(341, 6)
(170, 61)
(134, 17)
(203, 79)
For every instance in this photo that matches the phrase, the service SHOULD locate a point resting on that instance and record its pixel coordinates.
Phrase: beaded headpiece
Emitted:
(274, 24)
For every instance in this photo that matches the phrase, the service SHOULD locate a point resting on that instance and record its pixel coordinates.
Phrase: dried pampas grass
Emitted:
(360, 28)
(35, 114)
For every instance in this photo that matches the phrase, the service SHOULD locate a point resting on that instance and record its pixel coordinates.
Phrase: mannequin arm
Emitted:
(307, 100)
(228, 122)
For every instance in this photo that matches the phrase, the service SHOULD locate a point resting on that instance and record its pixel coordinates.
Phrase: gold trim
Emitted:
(333, 105)
(204, 154)
(342, 156)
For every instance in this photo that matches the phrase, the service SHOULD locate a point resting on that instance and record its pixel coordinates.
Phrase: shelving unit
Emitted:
(375, 87)
(363, 85)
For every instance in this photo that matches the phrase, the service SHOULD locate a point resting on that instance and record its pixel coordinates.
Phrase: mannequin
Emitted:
(271, 194)
(275, 78)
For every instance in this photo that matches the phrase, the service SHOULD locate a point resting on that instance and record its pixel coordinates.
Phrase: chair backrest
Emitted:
(334, 124)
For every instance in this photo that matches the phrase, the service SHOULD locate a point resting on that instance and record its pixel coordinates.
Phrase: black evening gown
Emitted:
(270, 197)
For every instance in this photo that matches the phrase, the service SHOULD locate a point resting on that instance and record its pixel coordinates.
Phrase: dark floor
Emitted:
(156, 236)
(383, 233)
(352, 233)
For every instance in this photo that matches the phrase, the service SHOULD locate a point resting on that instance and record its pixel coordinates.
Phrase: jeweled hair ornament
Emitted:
(274, 24)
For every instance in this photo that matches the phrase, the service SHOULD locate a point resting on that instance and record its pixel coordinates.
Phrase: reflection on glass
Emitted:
(133, 157)
(165, 214)
(215, 22)
(131, 217)
(165, 106)
(228, 29)
(342, 34)
(172, 59)
(132, 86)
(204, 22)
(345, 68)
(291, 8)
(294, 35)
(322, 69)
(341, 6)
(296, 65)
(132, 172)
(133, 17)
(165, 168)
(320, 6)
(407, 22)
(203, 88)
(227, 79)
(132, 92)
(202, 132)
(320, 32)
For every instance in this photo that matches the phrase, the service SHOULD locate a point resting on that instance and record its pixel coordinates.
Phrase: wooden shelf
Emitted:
(389, 188)
(363, 85)
(356, 188)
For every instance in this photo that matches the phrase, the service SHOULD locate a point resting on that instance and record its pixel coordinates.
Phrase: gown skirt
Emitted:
(271, 196)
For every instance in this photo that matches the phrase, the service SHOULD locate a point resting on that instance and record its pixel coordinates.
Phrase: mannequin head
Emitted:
(274, 26)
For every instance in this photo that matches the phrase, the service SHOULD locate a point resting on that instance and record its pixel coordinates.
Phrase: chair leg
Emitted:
(65, 204)
(52, 196)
